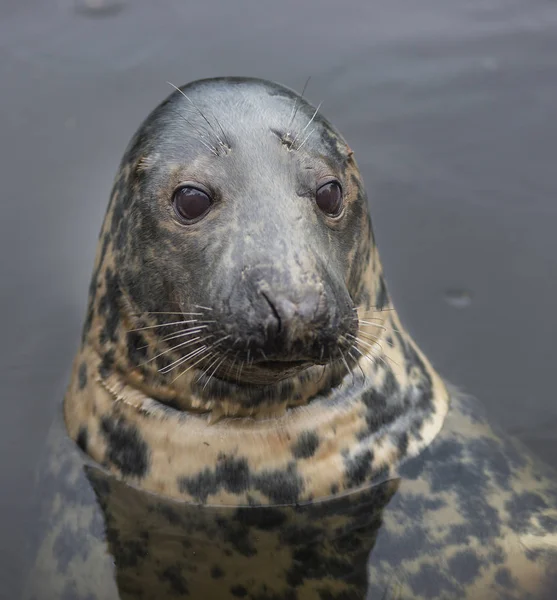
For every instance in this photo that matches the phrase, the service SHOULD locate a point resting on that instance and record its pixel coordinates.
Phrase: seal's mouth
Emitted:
(283, 365)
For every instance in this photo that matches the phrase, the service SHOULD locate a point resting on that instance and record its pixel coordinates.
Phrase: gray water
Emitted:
(450, 107)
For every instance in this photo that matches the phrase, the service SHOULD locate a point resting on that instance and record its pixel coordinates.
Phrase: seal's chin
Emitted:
(263, 373)
(283, 365)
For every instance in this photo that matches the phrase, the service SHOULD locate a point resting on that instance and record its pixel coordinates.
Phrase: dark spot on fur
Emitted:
(548, 523)
(267, 519)
(199, 486)
(233, 474)
(173, 575)
(429, 582)
(522, 507)
(109, 307)
(504, 578)
(465, 566)
(334, 489)
(126, 449)
(238, 591)
(216, 572)
(401, 442)
(358, 468)
(306, 445)
(282, 486)
(82, 375)
(107, 362)
(381, 298)
(81, 439)
(137, 348)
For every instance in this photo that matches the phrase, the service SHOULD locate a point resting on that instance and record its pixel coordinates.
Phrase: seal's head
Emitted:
(242, 218)
(237, 276)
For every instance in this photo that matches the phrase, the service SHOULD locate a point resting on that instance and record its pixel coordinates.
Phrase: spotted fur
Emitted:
(360, 474)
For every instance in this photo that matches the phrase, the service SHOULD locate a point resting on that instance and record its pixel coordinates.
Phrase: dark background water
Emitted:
(449, 105)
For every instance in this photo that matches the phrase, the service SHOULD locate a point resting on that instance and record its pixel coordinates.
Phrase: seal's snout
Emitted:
(280, 315)
(290, 317)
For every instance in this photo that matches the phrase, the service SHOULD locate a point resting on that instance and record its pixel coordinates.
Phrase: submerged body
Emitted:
(240, 352)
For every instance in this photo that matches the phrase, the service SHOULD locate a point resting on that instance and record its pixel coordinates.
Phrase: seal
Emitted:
(247, 416)
(238, 322)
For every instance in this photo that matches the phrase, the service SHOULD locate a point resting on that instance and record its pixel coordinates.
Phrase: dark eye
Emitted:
(190, 203)
(329, 198)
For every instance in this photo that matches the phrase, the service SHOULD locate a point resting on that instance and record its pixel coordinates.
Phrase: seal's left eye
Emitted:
(329, 198)
(191, 203)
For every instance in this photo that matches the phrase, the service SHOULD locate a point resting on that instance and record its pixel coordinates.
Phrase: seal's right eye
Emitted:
(191, 203)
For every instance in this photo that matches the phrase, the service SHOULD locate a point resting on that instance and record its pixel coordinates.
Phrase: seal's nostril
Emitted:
(275, 312)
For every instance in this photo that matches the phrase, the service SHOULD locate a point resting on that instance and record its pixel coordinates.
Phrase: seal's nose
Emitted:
(290, 319)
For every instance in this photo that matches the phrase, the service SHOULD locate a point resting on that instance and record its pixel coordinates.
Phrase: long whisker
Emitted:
(183, 359)
(173, 336)
(203, 116)
(345, 363)
(240, 371)
(160, 312)
(215, 369)
(192, 365)
(204, 371)
(353, 347)
(309, 123)
(305, 139)
(372, 347)
(186, 343)
(190, 331)
(296, 106)
(170, 324)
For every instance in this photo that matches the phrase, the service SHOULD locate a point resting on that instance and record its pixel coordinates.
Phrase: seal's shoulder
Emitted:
(475, 516)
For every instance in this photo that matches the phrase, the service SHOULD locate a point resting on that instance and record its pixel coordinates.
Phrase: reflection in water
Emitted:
(166, 549)
(472, 516)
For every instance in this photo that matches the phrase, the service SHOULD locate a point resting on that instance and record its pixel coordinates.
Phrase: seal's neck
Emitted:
(349, 433)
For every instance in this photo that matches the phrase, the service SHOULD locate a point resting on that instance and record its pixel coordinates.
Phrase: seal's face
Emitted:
(246, 218)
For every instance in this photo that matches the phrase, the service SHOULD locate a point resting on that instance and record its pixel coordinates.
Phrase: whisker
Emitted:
(190, 331)
(173, 336)
(186, 343)
(169, 324)
(240, 372)
(375, 325)
(309, 123)
(305, 139)
(215, 369)
(353, 347)
(296, 106)
(204, 371)
(231, 365)
(160, 312)
(202, 307)
(183, 359)
(345, 363)
(386, 327)
(190, 367)
(263, 354)
(376, 355)
(202, 115)
(369, 336)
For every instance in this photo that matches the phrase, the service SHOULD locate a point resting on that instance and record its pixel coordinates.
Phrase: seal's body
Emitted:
(240, 351)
